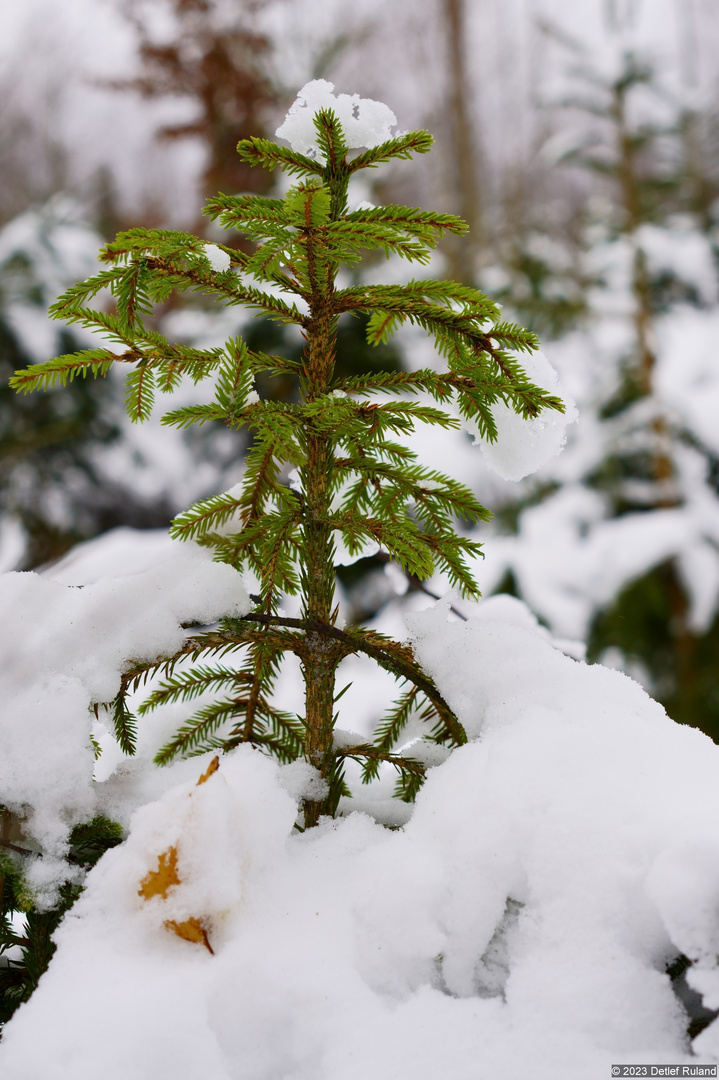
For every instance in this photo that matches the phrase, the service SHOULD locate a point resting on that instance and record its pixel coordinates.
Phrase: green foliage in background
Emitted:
(26, 947)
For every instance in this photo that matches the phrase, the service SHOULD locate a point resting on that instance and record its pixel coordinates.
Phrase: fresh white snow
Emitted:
(519, 924)
(218, 259)
(524, 446)
(63, 649)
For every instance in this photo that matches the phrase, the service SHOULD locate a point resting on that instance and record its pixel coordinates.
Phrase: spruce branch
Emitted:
(403, 146)
(269, 155)
(124, 725)
(63, 369)
(389, 729)
(391, 655)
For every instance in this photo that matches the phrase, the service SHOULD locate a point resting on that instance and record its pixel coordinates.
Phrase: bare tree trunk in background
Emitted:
(662, 465)
(629, 183)
(688, 42)
(462, 254)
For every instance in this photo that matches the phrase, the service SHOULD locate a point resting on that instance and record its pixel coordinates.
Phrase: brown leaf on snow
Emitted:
(159, 882)
(190, 930)
(211, 768)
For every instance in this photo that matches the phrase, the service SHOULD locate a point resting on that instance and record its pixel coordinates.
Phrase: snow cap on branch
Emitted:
(524, 446)
(218, 259)
(365, 122)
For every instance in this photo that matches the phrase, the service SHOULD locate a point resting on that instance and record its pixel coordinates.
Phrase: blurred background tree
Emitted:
(54, 489)
(212, 56)
(617, 543)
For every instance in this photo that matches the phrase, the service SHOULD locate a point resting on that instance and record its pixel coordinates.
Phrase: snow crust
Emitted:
(365, 122)
(518, 925)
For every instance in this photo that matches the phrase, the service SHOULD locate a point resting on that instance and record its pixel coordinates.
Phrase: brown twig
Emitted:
(18, 849)
(386, 659)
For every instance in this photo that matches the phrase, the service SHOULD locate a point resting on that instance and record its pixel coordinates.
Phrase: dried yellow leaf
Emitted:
(159, 882)
(211, 768)
(190, 930)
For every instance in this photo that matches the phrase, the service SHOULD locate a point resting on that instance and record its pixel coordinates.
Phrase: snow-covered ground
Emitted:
(519, 923)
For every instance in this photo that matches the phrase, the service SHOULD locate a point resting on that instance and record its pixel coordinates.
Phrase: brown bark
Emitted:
(321, 655)
(462, 252)
(662, 467)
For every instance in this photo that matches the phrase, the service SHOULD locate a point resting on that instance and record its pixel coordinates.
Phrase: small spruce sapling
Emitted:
(357, 479)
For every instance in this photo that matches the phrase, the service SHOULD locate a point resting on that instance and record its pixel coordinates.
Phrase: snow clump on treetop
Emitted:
(365, 122)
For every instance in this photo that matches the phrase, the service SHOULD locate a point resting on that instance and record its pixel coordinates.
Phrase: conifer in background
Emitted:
(639, 467)
(650, 620)
(356, 480)
(53, 489)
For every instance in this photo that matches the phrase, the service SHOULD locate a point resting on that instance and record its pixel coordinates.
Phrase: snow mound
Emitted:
(116, 553)
(520, 924)
(64, 649)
